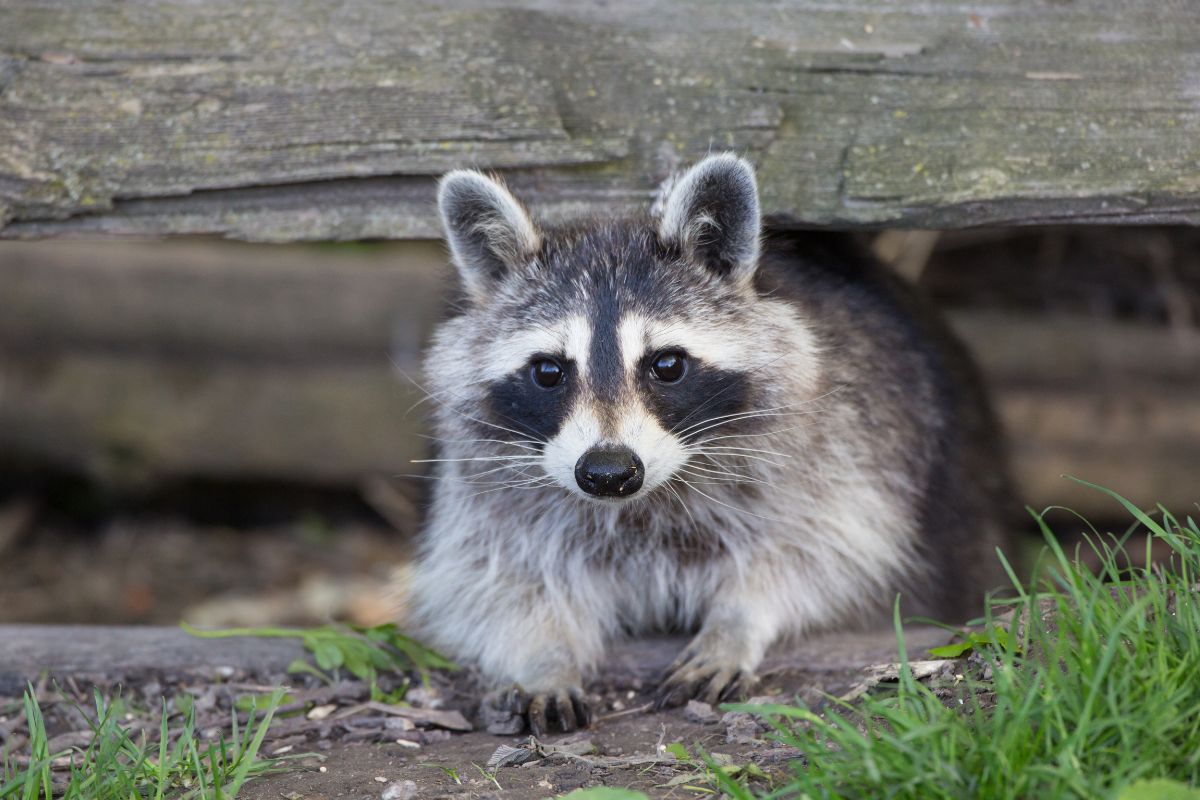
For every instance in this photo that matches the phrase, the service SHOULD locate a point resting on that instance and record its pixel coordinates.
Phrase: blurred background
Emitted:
(223, 432)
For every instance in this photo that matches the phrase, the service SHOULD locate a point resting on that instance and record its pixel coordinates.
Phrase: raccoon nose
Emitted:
(609, 472)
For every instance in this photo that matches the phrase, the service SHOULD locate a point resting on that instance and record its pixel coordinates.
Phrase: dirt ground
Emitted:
(343, 744)
(627, 746)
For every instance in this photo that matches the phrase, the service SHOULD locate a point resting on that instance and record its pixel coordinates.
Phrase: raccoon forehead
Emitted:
(569, 338)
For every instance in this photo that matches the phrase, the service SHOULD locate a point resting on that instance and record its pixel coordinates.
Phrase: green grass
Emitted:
(363, 652)
(119, 765)
(1093, 692)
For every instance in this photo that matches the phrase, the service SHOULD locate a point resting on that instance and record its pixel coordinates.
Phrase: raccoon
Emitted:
(680, 422)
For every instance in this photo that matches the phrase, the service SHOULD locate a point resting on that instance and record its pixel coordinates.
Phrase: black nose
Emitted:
(609, 472)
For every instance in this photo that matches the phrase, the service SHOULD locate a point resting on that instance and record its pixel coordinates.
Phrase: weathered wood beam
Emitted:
(59, 651)
(133, 653)
(297, 119)
(1109, 402)
(138, 364)
(157, 361)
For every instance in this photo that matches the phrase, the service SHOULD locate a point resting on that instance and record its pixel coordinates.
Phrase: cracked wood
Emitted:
(295, 119)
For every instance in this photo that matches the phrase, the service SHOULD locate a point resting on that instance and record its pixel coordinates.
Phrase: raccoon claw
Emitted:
(696, 679)
(568, 707)
(509, 711)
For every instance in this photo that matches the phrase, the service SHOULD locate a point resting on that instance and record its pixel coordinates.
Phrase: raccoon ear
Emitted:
(489, 231)
(711, 213)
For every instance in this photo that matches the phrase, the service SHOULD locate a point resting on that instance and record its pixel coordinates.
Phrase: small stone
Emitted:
(500, 721)
(740, 728)
(400, 790)
(321, 712)
(398, 724)
(701, 713)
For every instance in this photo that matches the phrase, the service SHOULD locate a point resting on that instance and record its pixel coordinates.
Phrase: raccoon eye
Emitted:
(546, 373)
(669, 366)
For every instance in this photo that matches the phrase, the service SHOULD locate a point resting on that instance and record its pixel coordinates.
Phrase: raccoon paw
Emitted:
(696, 678)
(510, 711)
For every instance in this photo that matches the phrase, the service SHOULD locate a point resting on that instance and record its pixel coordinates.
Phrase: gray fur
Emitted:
(864, 462)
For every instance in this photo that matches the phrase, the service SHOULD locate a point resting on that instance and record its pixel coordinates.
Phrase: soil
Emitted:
(355, 748)
(625, 747)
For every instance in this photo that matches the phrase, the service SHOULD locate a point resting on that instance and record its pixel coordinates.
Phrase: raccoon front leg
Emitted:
(719, 663)
(531, 647)
(538, 656)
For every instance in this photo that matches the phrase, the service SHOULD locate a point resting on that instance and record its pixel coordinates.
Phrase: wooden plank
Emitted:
(27, 651)
(138, 364)
(296, 119)
(183, 302)
(136, 421)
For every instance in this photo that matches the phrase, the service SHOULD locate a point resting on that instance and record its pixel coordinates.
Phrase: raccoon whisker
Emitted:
(742, 418)
(716, 469)
(682, 432)
(832, 391)
(711, 480)
(731, 507)
(753, 435)
(519, 469)
(716, 457)
(733, 448)
(427, 396)
(474, 479)
(534, 485)
(715, 465)
(682, 504)
(718, 476)
(714, 482)
(526, 444)
(464, 479)
(728, 385)
(520, 483)
(777, 411)
(494, 425)
(715, 461)
(523, 434)
(699, 428)
(723, 459)
(417, 384)
(477, 458)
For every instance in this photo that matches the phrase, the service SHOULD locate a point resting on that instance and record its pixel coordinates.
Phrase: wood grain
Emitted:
(133, 653)
(295, 119)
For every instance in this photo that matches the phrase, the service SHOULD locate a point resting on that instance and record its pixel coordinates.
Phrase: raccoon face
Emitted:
(610, 359)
